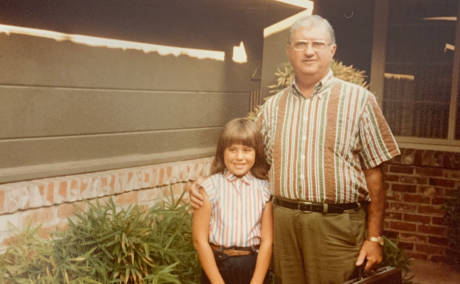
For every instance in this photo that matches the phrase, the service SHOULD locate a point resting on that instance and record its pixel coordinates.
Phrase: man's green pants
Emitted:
(316, 248)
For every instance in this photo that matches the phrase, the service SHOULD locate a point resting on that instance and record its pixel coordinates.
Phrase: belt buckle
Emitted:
(300, 203)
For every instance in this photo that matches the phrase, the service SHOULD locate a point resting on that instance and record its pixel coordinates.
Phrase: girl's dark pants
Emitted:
(234, 269)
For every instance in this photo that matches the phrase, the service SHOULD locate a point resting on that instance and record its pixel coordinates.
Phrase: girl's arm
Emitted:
(266, 245)
(200, 228)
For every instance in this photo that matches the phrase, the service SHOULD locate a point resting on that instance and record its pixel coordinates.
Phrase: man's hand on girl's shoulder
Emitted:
(196, 199)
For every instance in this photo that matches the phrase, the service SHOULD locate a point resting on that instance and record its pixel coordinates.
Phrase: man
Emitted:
(325, 139)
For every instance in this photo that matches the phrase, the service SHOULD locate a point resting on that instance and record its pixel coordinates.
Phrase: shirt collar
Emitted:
(320, 87)
(231, 177)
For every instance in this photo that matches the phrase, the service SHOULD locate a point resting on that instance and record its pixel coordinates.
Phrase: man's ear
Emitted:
(333, 49)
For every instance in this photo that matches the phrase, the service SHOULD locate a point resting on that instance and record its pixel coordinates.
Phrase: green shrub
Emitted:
(109, 244)
(395, 257)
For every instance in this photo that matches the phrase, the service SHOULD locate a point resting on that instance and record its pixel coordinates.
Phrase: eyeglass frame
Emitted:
(310, 42)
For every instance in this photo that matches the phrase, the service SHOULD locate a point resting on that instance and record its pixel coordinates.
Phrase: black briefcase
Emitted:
(384, 275)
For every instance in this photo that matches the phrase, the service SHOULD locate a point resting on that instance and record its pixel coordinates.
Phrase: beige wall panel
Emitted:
(30, 60)
(24, 152)
(44, 112)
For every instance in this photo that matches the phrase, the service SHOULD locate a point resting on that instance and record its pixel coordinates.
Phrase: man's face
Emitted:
(310, 61)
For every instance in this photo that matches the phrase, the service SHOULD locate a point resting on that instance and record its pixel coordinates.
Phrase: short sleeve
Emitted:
(266, 193)
(377, 142)
(210, 187)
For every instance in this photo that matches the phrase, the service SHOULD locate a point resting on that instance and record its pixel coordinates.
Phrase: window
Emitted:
(419, 91)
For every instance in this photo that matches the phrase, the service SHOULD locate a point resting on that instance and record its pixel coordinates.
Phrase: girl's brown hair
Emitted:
(245, 132)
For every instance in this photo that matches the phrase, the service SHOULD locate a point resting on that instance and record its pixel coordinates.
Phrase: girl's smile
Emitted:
(239, 159)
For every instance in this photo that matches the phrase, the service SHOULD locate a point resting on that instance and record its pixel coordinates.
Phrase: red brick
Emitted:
(42, 215)
(432, 230)
(404, 187)
(429, 249)
(442, 182)
(437, 220)
(437, 241)
(391, 234)
(438, 201)
(387, 177)
(417, 218)
(401, 226)
(416, 255)
(397, 206)
(386, 224)
(63, 189)
(395, 196)
(393, 216)
(413, 238)
(414, 198)
(440, 191)
(430, 209)
(431, 172)
(127, 198)
(450, 192)
(406, 246)
(67, 210)
(50, 193)
(413, 180)
(451, 174)
(401, 169)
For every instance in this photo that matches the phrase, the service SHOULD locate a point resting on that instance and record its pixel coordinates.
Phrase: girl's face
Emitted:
(239, 159)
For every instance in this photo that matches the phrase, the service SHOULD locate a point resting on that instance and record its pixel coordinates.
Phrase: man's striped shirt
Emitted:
(237, 207)
(318, 147)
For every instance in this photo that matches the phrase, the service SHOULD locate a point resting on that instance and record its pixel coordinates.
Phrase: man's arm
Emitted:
(372, 251)
(196, 199)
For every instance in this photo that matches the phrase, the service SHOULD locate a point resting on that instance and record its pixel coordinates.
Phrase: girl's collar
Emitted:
(231, 177)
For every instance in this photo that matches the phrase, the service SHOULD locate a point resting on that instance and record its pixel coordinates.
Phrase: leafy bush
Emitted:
(109, 244)
(395, 257)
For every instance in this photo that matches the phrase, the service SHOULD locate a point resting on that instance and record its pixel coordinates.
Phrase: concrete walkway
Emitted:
(427, 272)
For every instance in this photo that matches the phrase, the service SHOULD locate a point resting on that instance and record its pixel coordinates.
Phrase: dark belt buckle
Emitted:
(302, 206)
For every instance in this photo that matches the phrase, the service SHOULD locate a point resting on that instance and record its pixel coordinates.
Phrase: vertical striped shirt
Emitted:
(319, 146)
(237, 207)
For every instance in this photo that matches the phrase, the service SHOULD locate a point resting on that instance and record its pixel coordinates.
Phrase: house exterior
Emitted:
(126, 118)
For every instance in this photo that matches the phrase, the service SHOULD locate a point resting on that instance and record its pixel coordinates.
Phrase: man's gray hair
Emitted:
(312, 21)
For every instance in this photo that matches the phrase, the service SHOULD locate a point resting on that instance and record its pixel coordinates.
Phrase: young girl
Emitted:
(233, 231)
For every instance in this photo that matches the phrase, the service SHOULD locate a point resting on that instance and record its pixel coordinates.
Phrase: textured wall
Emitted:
(417, 184)
(62, 101)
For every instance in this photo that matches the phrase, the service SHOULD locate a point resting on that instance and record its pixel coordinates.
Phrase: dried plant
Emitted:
(285, 74)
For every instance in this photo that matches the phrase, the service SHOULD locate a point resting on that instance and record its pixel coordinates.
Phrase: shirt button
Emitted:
(302, 176)
(305, 118)
(303, 157)
(304, 137)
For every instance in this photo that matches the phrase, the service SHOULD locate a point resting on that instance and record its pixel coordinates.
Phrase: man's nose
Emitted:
(309, 50)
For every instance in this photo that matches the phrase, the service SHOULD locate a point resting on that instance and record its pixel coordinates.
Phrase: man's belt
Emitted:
(234, 251)
(315, 207)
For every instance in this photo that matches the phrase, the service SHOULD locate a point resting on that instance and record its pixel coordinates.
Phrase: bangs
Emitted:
(239, 134)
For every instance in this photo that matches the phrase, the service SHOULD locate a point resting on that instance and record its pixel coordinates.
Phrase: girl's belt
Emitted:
(234, 251)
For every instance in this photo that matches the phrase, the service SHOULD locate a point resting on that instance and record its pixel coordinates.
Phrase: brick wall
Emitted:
(51, 201)
(417, 183)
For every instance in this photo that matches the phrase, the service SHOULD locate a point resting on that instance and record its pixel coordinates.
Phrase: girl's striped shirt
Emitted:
(237, 207)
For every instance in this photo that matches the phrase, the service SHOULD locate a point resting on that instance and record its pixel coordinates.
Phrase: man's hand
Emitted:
(372, 252)
(196, 199)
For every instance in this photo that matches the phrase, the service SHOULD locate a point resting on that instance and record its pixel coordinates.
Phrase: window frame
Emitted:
(379, 48)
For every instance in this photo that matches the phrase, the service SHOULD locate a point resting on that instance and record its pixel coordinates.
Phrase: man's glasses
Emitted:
(316, 45)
